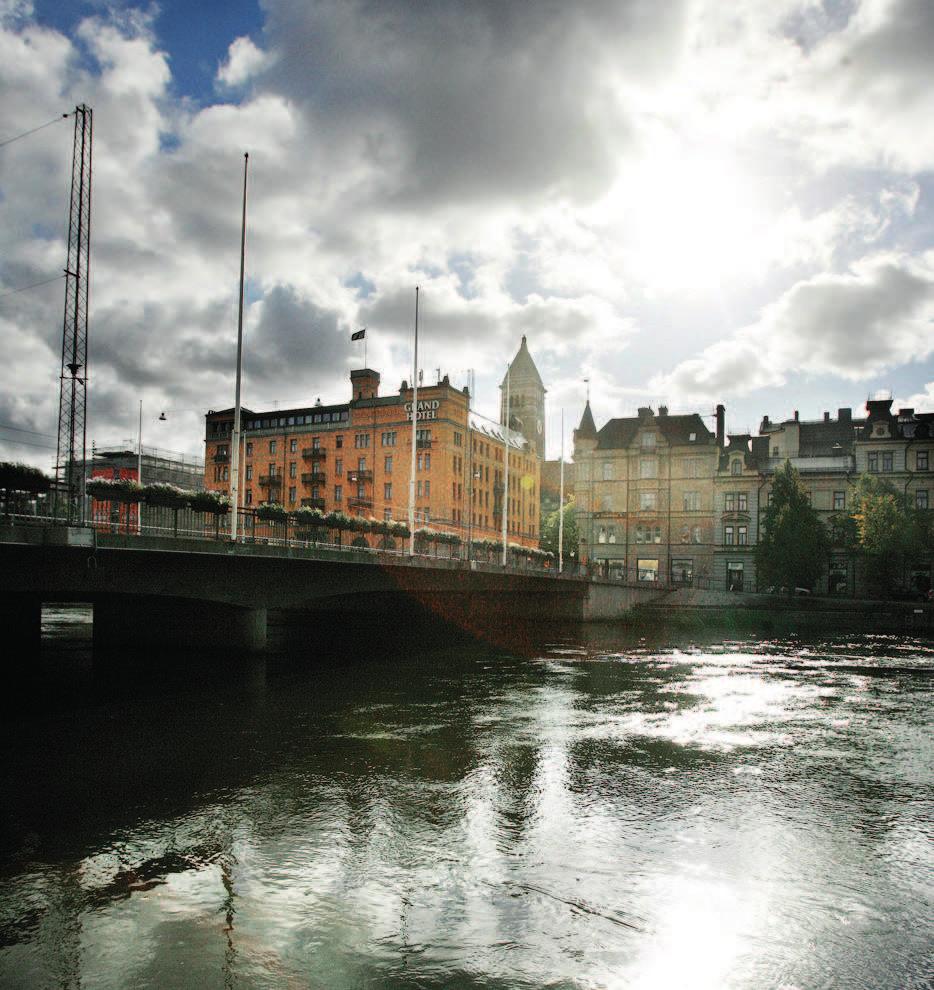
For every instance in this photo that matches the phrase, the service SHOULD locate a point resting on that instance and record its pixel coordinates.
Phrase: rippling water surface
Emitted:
(595, 811)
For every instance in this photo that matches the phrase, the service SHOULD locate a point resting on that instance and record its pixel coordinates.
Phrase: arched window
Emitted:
(736, 466)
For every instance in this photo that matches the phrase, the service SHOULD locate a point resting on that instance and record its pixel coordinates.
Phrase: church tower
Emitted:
(526, 400)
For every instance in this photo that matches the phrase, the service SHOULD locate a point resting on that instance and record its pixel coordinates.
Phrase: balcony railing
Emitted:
(313, 478)
(270, 480)
(313, 503)
(221, 458)
(313, 453)
(355, 502)
(357, 476)
(423, 444)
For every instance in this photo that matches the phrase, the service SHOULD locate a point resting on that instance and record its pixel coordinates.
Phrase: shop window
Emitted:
(647, 569)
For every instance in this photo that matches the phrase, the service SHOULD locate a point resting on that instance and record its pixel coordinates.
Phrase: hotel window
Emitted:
(648, 441)
(272, 446)
(361, 440)
(887, 461)
(361, 463)
(316, 443)
(458, 439)
(226, 474)
(249, 448)
(387, 513)
(742, 536)
(873, 463)
(648, 500)
(728, 536)
(418, 466)
(249, 472)
(293, 469)
(389, 439)
(419, 489)
(361, 491)
(648, 467)
(293, 446)
(839, 500)
(921, 498)
(315, 492)
(338, 467)
(249, 496)
(427, 489)
(292, 496)
(607, 470)
(427, 462)
(339, 441)
(387, 491)
(921, 460)
(691, 501)
(338, 493)
(387, 464)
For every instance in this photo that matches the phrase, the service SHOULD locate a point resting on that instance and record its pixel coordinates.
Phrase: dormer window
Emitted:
(736, 466)
(648, 441)
(692, 437)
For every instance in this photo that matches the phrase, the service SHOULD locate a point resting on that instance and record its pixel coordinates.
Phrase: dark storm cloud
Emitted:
(474, 101)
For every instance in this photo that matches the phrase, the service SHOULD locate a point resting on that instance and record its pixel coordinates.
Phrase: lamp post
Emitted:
(414, 434)
(505, 504)
(561, 503)
(139, 469)
(235, 438)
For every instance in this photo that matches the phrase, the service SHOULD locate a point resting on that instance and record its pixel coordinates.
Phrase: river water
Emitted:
(583, 809)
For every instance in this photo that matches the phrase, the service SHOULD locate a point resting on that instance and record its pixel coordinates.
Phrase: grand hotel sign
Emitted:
(427, 409)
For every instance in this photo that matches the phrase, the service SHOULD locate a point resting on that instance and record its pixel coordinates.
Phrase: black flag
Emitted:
(359, 335)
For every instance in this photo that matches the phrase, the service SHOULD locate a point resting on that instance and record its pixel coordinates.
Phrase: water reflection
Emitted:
(602, 813)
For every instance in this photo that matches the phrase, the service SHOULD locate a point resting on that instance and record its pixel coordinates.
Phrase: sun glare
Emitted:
(689, 222)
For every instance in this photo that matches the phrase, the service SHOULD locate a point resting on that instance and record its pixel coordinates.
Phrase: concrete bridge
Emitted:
(215, 595)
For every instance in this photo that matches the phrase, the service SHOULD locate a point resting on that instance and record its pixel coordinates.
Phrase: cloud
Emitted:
(244, 62)
(877, 315)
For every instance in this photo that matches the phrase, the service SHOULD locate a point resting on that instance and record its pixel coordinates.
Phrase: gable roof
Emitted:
(620, 433)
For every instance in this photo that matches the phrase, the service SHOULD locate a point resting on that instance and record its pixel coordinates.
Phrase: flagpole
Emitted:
(414, 434)
(235, 438)
(505, 505)
(561, 504)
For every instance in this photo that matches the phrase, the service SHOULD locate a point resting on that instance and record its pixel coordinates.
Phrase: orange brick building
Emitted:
(355, 457)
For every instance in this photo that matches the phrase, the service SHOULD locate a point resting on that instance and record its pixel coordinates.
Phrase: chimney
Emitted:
(721, 414)
(663, 410)
(765, 424)
(905, 413)
(844, 415)
(826, 417)
(364, 384)
(796, 415)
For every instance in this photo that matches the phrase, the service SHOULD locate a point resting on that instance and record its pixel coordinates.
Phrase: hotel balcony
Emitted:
(313, 503)
(313, 453)
(355, 502)
(313, 478)
(356, 476)
(270, 480)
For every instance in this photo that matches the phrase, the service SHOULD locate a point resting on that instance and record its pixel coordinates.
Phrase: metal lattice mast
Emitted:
(71, 456)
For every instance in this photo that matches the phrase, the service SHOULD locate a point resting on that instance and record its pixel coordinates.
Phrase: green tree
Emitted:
(793, 543)
(549, 534)
(885, 530)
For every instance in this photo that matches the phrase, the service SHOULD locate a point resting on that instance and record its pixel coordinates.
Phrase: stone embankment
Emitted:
(696, 608)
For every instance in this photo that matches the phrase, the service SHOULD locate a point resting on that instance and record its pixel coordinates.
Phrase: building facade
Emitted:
(356, 457)
(644, 488)
(661, 499)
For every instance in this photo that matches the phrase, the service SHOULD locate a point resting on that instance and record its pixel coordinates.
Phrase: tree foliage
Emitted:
(793, 542)
(549, 533)
(888, 532)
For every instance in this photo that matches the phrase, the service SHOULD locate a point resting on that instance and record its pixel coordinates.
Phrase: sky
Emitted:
(687, 203)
